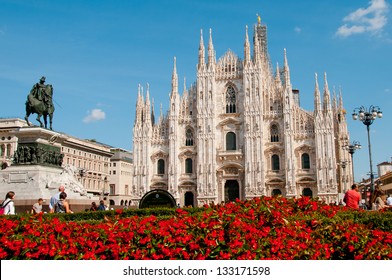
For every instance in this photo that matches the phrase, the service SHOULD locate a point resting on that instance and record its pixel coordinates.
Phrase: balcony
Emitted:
(230, 155)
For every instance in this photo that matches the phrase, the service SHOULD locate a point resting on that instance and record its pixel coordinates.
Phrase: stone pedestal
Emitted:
(37, 172)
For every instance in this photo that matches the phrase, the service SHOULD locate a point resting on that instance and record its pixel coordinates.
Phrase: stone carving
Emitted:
(37, 154)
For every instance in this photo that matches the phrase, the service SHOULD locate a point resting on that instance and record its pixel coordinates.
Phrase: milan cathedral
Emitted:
(239, 132)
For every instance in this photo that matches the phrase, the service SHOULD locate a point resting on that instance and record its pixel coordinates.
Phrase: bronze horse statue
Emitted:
(42, 107)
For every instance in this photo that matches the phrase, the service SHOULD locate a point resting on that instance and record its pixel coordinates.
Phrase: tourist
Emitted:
(389, 200)
(62, 206)
(341, 202)
(352, 197)
(55, 198)
(101, 206)
(93, 206)
(8, 204)
(37, 207)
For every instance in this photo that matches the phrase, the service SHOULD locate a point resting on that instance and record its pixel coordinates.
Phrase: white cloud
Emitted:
(371, 19)
(297, 29)
(95, 115)
(387, 90)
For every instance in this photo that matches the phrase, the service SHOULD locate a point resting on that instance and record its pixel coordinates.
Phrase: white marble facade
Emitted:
(239, 132)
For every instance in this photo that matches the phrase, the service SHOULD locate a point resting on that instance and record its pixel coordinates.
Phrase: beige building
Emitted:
(121, 172)
(91, 160)
(8, 141)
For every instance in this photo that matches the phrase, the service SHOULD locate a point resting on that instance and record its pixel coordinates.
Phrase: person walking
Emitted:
(62, 206)
(8, 204)
(352, 197)
(55, 198)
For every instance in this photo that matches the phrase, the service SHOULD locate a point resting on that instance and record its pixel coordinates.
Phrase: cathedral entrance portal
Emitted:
(232, 190)
(189, 198)
(307, 192)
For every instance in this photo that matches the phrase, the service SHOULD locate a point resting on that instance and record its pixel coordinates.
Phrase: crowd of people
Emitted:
(58, 203)
(352, 198)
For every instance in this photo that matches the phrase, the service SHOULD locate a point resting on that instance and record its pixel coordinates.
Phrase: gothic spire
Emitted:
(327, 97)
(317, 101)
(147, 107)
(211, 52)
(185, 91)
(174, 79)
(152, 113)
(201, 51)
(246, 48)
(286, 70)
(256, 47)
(277, 75)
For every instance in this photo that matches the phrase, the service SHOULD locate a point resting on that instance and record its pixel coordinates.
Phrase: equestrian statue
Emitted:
(40, 102)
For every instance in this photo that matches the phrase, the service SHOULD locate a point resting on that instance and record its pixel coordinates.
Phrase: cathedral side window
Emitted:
(231, 141)
(305, 160)
(188, 165)
(230, 100)
(275, 163)
(189, 138)
(274, 131)
(161, 167)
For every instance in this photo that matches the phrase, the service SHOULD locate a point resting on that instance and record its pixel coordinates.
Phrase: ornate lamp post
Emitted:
(351, 148)
(343, 164)
(367, 117)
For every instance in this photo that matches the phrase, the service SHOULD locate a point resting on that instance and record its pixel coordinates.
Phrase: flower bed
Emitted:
(262, 228)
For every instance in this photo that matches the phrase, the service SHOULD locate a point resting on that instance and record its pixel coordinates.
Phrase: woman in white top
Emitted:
(9, 208)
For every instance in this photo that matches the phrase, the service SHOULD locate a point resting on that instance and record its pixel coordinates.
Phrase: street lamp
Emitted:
(351, 148)
(343, 164)
(367, 117)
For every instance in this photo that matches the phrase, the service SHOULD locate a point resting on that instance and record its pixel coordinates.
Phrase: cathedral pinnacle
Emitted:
(174, 78)
(317, 102)
(211, 52)
(201, 51)
(247, 47)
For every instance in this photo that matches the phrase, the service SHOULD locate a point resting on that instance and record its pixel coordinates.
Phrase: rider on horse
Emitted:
(39, 101)
(38, 92)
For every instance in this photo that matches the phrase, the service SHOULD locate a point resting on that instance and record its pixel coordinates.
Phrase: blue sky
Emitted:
(95, 53)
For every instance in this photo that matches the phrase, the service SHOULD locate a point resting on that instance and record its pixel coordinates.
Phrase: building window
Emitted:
(2, 148)
(112, 189)
(274, 133)
(230, 141)
(114, 164)
(189, 138)
(161, 167)
(126, 190)
(114, 172)
(188, 165)
(230, 100)
(8, 150)
(275, 162)
(305, 161)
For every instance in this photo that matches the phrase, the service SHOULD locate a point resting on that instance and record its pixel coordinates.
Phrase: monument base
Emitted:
(30, 182)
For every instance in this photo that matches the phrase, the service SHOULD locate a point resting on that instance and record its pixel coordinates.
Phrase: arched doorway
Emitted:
(307, 192)
(232, 190)
(276, 192)
(188, 198)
